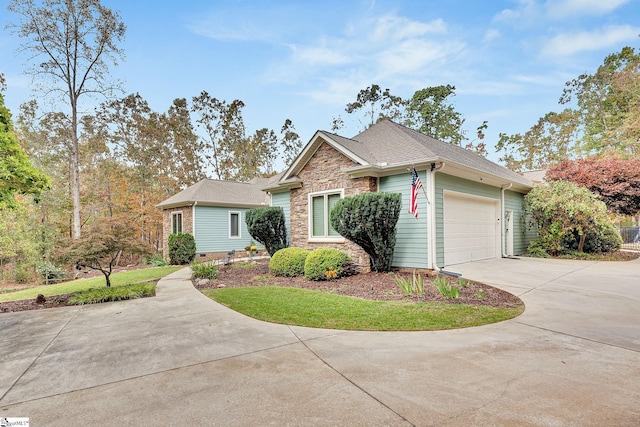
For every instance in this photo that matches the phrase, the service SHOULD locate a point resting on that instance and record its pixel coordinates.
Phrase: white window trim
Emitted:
(325, 238)
(173, 216)
(239, 236)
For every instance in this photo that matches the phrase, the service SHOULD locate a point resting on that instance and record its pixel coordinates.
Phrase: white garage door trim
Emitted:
(471, 227)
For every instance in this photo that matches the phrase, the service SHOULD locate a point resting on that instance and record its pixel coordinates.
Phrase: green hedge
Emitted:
(288, 262)
(320, 261)
(182, 248)
(267, 226)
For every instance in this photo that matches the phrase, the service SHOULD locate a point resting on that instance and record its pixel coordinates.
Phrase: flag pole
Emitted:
(422, 186)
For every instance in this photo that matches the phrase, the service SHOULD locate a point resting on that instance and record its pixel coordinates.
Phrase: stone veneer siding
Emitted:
(325, 171)
(187, 225)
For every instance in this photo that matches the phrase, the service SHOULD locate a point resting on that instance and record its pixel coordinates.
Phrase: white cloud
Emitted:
(321, 55)
(567, 44)
(385, 49)
(399, 28)
(526, 13)
(560, 9)
(532, 12)
(490, 35)
(416, 55)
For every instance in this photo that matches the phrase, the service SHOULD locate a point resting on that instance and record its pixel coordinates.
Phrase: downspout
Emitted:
(433, 257)
(193, 221)
(503, 232)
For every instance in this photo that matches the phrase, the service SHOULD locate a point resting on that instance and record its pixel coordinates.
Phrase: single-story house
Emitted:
(471, 208)
(213, 211)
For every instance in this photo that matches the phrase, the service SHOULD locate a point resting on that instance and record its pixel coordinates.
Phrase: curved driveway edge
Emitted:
(573, 358)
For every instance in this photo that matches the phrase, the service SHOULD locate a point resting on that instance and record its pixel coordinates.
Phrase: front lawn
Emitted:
(317, 309)
(117, 279)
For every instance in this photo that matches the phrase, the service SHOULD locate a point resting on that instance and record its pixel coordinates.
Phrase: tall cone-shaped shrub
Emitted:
(369, 220)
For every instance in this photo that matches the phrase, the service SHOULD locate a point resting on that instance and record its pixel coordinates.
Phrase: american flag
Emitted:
(416, 185)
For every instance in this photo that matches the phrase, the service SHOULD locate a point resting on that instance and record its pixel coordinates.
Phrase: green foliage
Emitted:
(447, 289)
(602, 117)
(157, 261)
(49, 271)
(377, 104)
(601, 240)
(267, 226)
(407, 286)
(17, 173)
(433, 114)
(288, 262)
(204, 270)
(560, 211)
(182, 248)
(463, 283)
(537, 249)
(120, 293)
(319, 261)
(548, 141)
(369, 220)
(101, 246)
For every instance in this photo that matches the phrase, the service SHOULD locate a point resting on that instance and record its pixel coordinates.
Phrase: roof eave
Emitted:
(451, 168)
(191, 203)
(387, 169)
(283, 186)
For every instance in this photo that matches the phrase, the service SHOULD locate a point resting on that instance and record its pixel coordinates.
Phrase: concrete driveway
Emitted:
(572, 359)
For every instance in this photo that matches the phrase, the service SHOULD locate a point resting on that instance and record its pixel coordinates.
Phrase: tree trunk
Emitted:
(75, 165)
(107, 277)
(581, 243)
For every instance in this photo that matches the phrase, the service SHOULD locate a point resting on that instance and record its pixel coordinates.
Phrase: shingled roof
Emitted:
(388, 148)
(393, 143)
(212, 192)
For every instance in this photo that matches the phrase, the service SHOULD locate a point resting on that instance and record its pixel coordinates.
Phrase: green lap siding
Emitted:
(283, 200)
(212, 229)
(411, 234)
(460, 185)
(521, 234)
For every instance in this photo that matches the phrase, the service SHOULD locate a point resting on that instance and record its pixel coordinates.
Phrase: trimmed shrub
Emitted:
(182, 248)
(602, 240)
(321, 261)
(369, 220)
(267, 226)
(203, 270)
(288, 262)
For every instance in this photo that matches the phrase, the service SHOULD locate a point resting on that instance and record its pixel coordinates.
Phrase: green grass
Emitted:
(119, 293)
(316, 309)
(117, 279)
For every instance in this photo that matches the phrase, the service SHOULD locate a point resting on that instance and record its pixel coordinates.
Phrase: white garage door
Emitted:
(471, 228)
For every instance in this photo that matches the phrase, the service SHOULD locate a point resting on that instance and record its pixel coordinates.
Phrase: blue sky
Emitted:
(305, 60)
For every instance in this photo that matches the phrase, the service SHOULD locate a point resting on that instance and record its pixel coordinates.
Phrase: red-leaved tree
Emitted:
(615, 180)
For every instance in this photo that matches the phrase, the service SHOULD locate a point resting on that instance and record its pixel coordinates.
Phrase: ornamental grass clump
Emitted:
(407, 286)
(204, 270)
(447, 289)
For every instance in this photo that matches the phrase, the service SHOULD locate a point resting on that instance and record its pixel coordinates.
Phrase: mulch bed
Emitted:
(372, 286)
(34, 303)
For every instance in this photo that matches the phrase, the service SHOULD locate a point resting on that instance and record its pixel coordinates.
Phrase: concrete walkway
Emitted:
(572, 359)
